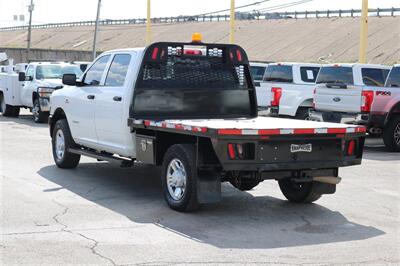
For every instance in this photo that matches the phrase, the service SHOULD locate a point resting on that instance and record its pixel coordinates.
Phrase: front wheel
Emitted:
(61, 142)
(391, 134)
(299, 192)
(179, 178)
(38, 115)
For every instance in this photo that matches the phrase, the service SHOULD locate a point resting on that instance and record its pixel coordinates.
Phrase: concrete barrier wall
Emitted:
(20, 56)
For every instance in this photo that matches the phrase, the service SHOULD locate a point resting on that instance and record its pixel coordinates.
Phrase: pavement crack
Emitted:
(66, 229)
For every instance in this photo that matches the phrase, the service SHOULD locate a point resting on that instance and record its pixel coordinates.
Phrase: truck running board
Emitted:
(123, 162)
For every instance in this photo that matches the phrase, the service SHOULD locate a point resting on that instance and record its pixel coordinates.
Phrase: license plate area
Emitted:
(299, 150)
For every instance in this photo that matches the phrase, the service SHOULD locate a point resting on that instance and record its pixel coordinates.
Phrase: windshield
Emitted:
(336, 75)
(279, 73)
(56, 71)
(394, 78)
(257, 72)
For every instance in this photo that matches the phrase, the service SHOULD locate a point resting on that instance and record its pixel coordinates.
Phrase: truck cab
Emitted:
(287, 89)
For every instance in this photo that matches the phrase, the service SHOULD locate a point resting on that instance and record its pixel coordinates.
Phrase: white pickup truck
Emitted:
(287, 89)
(32, 89)
(357, 94)
(191, 108)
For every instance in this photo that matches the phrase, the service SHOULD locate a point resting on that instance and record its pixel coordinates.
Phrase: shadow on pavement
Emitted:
(379, 153)
(239, 221)
(24, 119)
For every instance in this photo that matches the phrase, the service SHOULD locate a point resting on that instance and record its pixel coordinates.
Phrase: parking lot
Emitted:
(106, 215)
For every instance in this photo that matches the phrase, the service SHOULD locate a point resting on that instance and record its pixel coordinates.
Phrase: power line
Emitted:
(239, 7)
(277, 7)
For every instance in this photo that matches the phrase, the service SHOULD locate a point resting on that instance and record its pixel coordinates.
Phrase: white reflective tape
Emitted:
(249, 132)
(350, 130)
(169, 125)
(321, 131)
(287, 131)
(138, 122)
(189, 128)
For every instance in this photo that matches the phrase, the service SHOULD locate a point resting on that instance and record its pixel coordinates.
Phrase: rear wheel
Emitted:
(8, 110)
(391, 134)
(303, 114)
(61, 142)
(299, 192)
(38, 115)
(179, 178)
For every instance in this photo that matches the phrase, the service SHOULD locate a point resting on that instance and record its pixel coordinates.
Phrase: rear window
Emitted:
(257, 72)
(394, 78)
(309, 74)
(336, 75)
(279, 73)
(374, 76)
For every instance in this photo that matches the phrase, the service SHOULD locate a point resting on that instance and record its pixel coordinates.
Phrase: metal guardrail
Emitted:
(206, 18)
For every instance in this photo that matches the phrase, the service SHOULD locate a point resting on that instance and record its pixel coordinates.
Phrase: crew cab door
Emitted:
(110, 119)
(28, 87)
(81, 104)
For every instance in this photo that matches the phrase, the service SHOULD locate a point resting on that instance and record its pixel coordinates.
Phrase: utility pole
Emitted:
(232, 23)
(28, 49)
(96, 28)
(148, 23)
(364, 33)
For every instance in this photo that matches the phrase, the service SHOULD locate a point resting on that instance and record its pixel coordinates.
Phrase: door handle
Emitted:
(117, 98)
(90, 97)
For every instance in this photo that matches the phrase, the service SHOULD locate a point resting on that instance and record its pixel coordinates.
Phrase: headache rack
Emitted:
(194, 80)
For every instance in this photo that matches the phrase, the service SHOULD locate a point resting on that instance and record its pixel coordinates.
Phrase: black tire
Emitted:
(244, 184)
(186, 155)
(303, 114)
(38, 115)
(298, 192)
(67, 160)
(391, 134)
(9, 110)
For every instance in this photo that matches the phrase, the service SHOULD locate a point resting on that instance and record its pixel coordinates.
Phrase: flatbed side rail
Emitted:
(226, 132)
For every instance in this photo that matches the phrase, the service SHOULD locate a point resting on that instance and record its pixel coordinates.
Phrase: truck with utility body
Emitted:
(32, 89)
(191, 108)
(357, 94)
(287, 89)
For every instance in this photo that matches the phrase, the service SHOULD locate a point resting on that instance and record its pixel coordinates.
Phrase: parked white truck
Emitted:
(32, 89)
(357, 94)
(191, 108)
(287, 89)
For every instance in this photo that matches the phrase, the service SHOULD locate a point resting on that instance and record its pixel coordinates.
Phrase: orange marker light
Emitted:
(196, 37)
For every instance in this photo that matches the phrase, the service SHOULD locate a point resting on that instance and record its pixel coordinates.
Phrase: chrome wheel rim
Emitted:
(60, 144)
(35, 111)
(176, 179)
(397, 134)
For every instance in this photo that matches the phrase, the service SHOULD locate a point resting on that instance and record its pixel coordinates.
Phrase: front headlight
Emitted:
(45, 92)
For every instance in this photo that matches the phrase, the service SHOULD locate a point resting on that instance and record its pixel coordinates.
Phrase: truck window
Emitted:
(394, 78)
(118, 69)
(194, 85)
(30, 72)
(257, 72)
(374, 76)
(336, 75)
(279, 73)
(56, 71)
(309, 74)
(94, 74)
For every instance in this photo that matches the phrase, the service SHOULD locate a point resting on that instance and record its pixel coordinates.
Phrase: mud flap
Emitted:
(324, 188)
(208, 187)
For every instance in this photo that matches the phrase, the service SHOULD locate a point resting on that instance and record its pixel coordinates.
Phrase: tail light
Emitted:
(351, 147)
(367, 99)
(245, 151)
(154, 53)
(276, 96)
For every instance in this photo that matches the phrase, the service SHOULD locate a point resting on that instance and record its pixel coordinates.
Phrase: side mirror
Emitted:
(69, 79)
(21, 76)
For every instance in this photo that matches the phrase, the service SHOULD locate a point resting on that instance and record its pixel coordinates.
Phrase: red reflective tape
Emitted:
(164, 124)
(300, 131)
(199, 129)
(361, 129)
(179, 126)
(229, 132)
(269, 132)
(147, 123)
(336, 130)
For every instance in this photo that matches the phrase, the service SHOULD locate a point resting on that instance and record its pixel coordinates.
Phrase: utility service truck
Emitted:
(32, 89)
(191, 108)
(357, 94)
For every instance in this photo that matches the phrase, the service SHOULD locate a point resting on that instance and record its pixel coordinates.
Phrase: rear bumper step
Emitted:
(328, 179)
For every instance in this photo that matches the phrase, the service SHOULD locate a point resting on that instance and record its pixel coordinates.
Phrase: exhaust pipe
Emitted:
(327, 179)
(375, 131)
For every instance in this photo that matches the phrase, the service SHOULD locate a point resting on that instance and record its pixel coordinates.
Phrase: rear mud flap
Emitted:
(324, 188)
(208, 187)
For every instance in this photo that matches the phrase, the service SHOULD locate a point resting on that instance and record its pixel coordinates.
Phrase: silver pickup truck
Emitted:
(358, 94)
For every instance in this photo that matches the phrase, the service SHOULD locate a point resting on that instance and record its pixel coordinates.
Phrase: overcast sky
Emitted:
(74, 10)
